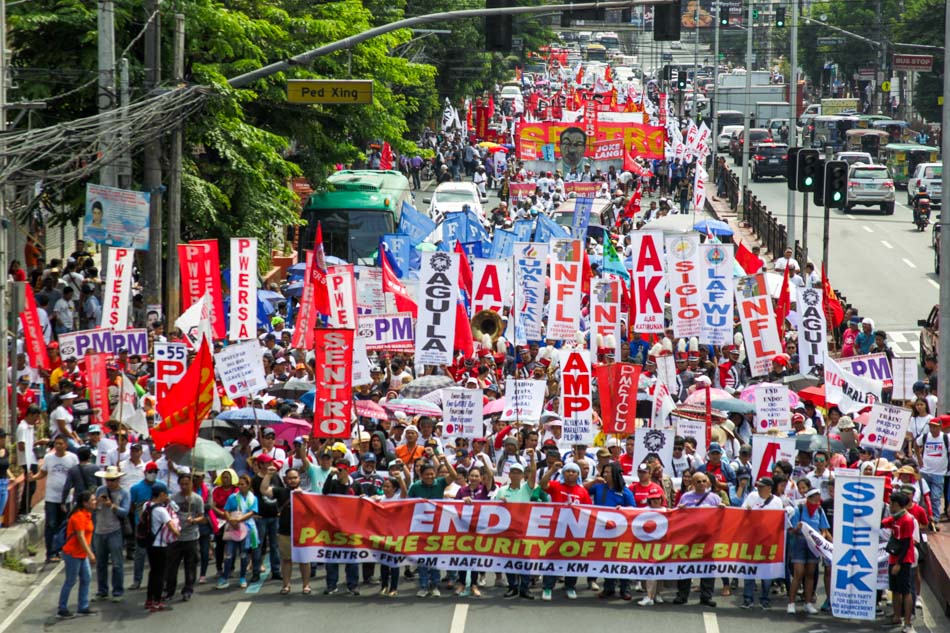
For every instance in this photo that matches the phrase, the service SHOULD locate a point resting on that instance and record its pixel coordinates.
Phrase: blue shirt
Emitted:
(603, 495)
(250, 503)
(140, 493)
(864, 342)
(818, 520)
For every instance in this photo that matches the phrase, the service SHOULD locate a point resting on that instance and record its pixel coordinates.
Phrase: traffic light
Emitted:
(723, 16)
(836, 184)
(681, 80)
(791, 169)
(807, 172)
(498, 27)
(666, 22)
(819, 192)
(780, 17)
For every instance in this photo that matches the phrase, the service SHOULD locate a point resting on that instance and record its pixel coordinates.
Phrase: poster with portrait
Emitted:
(116, 217)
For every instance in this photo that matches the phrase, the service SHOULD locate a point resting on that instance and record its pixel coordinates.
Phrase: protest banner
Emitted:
(642, 139)
(341, 289)
(695, 429)
(528, 309)
(437, 296)
(654, 442)
(576, 404)
(333, 369)
(524, 400)
(490, 285)
(195, 322)
(306, 319)
(502, 244)
(767, 450)
(567, 257)
(859, 502)
(98, 385)
(716, 294)
(415, 224)
(33, 338)
(772, 407)
(886, 428)
(824, 549)
(617, 385)
(171, 361)
(80, 343)
(118, 289)
(398, 246)
(462, 414)
(812, 330)
(117, 217)
(682, 265)
(454, 228)
(873, 366)
(663, 406)
(243, 321)
(608, 150)
(390, 332)
(200, 268)
(605, 315)
(666, 371)
(582, 189)
(759, 330)
(851, 393)
(370, 298)
(581, 218)
(649, 281)
(240, 367)
(904, 370)
(518, 191)
(540, 538)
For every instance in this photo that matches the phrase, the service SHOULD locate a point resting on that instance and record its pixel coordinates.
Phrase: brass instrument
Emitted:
(487, 322)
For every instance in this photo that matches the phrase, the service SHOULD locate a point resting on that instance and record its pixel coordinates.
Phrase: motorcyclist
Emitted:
(920, 198)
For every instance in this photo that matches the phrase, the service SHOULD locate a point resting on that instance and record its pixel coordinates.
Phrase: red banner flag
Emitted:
(833, 309)
(748, 260)
(392, 285)
(98, 385)
(318, 274)
(333, 368)
(782, 307)
(306, 318)
(200, 268)
(188, 402)
(617, 385)
(33, 338)
(386, 157)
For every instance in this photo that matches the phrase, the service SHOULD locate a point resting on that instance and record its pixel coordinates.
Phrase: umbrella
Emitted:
(815, 395)
(333, 260)
(697, 412)
(671, 224)
(294, 289)
(292, 389)
(425, 384)
(414, 406)
(370, 409)
(270, 295)
(299, 267)
(812, 443)
(291, 428)
(215, 429)
(307, 398)
(748, 394)
(699, 396)
(797, 382)
(205, 456)
(733, 405)
(248, 415)
(495, 147)
(495, 406)
(716, 227)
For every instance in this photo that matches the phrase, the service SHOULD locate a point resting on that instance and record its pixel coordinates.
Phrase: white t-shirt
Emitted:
(755, 502)
(59, 413)
(26, 433)
(134, 473)
(934, 453)
(919, 425)
(57, 469)
(782, 262)
(160, 516)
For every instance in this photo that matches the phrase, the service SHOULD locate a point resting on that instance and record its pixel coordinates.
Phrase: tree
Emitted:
(922, 23)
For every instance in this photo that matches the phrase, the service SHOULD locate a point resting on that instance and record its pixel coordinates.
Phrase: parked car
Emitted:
(926, 175)
(756, 135)
(870, 185)
(726, 136)
(929, 334)
(769, 160)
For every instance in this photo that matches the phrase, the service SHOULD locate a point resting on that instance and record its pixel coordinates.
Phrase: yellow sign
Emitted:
(330, 91)
(886, 86)
(940, 100)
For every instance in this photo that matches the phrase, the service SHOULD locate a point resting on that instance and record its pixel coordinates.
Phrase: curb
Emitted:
(16, 539)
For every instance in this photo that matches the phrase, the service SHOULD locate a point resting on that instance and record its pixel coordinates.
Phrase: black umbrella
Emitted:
(812, 443)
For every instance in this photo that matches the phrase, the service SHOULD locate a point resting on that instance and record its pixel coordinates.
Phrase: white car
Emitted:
(927, 175)
(855, 157)
(725, 136)
(454, 196)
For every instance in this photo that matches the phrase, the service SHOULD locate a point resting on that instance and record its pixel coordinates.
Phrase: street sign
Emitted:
(517, 43)
(865, 72)
(330, 91)
(830, 41)
(919, 63)
(886, 86)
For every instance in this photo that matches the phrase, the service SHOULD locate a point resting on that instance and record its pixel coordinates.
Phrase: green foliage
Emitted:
(921, 23)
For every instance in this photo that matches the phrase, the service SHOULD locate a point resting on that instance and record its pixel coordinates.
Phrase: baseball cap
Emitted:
(151, 467)
(765, 481)
(95, 428)
(642, 468)
(714, 448)
(369, 457)
(516, 466)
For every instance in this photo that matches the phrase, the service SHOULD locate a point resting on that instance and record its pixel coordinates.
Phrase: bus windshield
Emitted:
(353, 235)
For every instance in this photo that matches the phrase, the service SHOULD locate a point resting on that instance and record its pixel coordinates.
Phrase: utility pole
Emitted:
(713, 106)
(153, 160)
(105, 21)
(125, 161)
(748, 108)
(943, 346)
(172, 279)
(694, 111)
(792, 116)
(5, 315)
(881, 56)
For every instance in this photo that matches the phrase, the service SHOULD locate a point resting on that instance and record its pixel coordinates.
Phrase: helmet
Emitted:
(922, 189)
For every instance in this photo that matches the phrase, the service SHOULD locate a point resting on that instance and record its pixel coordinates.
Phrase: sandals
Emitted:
(306, 591)
(284, 591)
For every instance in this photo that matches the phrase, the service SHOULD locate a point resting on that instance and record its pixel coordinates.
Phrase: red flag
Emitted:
(318, 274)
(586, 273)
(617, 385)
(188, 402)
(633, 205)
(747, 259)
(580, 74)
(465, 270)
(491, 107)
(306, 314)
(386, 157)
(463, 330)
(33, 338)
(609, 75)
(782, 308)
(833, 307)
(391, 284)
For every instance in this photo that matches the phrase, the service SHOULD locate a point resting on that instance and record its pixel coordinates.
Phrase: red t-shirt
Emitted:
(626, 464)
(562, 493)
(902, 528)
(920, 514)
(80, 521)
(641, 492)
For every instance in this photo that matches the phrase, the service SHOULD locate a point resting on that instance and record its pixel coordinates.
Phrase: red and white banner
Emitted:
(490, 287)
(171, 362)
(576, 403)
(243, 322)
(664, 109)
(682, 264)
(663, 406)
(608, 150)
(438, 295)
(341, 288)
(582, 189)
(567, 262)
(617, 385)
(115, 302)
(98, 383)
(649, 281)
(306, 318)
(759, 330)
(851, 393)
(333, 400)
(33, 338)
(541, 538)
(767, 450)
(200, 268)
(699, 189)
(605, 314)
(716, 293)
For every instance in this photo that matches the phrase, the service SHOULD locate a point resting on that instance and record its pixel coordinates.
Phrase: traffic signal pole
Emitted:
(792, 127)
(748, 109)
(943, 343)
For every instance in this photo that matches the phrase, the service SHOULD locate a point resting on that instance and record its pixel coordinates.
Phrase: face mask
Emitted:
(151, 477)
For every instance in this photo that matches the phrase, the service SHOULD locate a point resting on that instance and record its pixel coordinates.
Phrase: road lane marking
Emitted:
(458, 619)
(710, 622)
(867, 228)
(934, 284)
(20, 608)
(908, 262)
(886, 244)
(236, 616)
(849, 216)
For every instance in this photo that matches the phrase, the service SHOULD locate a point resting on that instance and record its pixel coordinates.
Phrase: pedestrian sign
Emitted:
(886, 86)
(330, 91)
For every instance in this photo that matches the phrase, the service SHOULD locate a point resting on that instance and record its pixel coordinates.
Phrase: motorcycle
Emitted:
(923, 215)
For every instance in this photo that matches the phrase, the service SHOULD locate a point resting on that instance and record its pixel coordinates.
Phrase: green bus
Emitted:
(357, 207)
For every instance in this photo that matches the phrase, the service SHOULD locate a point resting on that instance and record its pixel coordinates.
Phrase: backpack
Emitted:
(60, 538)
(143, 529)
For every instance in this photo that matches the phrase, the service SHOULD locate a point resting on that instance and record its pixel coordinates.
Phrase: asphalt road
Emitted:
(881, 263)
(241, 611)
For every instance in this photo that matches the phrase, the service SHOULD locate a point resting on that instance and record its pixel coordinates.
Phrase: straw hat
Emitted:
(111, 472)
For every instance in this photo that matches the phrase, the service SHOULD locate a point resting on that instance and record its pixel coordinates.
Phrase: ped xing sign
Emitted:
(330, 91)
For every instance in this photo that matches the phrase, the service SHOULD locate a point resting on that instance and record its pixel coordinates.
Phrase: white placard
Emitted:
(772, 408)
(341, 288)
(684, 278)
(695, 429)
(657, 442)
(437, 297)
(567, 263)
(243, 322)
(115, 304)
(241, 369)
(905, 375)
(524, 400)
(886, 427)
(462, 413)
(767, 450)
(859, 502)
(361, 374)
(812, 330)
(851, 393)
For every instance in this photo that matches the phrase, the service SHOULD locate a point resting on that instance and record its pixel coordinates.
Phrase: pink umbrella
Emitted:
(748, 395)
(369, 409)
(699, 396)
(291, 428)
(495, 406)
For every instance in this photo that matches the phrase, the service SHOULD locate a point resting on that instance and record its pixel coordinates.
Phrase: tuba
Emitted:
(486, 322)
